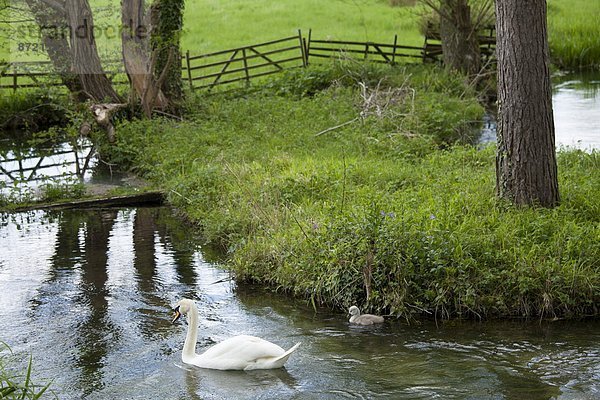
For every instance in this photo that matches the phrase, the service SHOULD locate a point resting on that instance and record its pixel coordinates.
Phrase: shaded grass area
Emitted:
(32, 110)
(387, 212)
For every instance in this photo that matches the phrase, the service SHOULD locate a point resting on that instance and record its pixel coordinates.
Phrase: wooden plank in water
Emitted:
(141, 199)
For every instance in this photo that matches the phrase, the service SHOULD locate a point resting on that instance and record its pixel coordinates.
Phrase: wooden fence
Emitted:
(27, 74)
(243, 64)
(371, 51)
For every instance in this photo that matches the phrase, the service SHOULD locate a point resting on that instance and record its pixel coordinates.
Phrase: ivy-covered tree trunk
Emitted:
(167, 23)
(526, 170)
(154, 69)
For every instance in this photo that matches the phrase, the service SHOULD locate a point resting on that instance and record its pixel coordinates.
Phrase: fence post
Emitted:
(246, 67)
(307, 46)
(14, 77)
(189, 71)
(302, 48)
(366, 50)
(394, 50)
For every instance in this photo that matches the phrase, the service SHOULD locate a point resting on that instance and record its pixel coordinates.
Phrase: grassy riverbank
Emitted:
(382, 211)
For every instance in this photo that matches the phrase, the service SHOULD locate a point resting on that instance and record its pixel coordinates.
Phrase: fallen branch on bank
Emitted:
(380, 103)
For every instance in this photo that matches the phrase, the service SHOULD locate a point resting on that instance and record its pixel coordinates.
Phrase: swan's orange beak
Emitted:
(176, 315)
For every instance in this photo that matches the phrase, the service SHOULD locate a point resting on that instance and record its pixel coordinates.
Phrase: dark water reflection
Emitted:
(88, 294)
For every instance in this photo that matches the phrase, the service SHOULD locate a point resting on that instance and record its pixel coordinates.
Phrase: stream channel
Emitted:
(88, 294)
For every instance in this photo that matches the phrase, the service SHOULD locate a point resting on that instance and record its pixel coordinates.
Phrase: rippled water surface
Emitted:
(88, 294)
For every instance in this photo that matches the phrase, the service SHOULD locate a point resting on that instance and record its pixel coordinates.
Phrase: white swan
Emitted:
(237, 353)
(364, 319)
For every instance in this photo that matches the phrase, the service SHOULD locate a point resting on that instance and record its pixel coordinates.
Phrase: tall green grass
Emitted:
(384, 212)
(574, 33)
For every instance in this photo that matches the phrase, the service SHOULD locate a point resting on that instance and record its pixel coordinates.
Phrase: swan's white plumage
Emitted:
(237, 353)
(364, 319)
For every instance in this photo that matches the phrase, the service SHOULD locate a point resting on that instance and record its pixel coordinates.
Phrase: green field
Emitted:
(212, 25)
(574, 33)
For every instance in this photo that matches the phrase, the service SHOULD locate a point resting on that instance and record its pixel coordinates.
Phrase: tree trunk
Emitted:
(86, 62)
(460, 44)
(526, 171)
(54, 30)
(167, 24)
(135, 38)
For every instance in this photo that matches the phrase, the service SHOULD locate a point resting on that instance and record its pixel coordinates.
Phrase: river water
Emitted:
(576, 107)
(88, 294)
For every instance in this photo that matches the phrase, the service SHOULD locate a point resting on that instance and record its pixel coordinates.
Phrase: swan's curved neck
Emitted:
(189, 346)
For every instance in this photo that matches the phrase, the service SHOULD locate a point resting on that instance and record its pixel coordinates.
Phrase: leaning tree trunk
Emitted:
(460, 44)
(86, 62)
(53, 23)
(526, 171)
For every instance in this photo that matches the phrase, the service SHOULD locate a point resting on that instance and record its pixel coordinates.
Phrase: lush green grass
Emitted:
(574, 33)
(374, 212)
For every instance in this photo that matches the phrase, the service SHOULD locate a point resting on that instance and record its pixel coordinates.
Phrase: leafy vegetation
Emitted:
(32, 110)
(388, 211)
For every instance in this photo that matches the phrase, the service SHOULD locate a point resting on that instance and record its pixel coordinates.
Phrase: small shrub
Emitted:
(51, 192)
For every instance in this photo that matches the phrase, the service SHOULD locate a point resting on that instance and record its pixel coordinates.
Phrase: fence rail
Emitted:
(36, 74)
(243, 64)
(372, 51)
